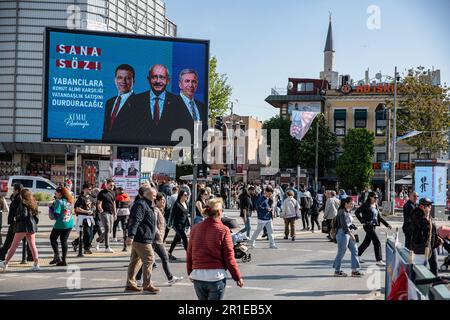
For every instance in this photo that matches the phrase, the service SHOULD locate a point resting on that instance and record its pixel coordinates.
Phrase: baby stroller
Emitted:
(241, 251)
(444, 233)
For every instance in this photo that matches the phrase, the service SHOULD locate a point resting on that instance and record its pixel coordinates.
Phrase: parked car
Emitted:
(3, 187)
(34, 183)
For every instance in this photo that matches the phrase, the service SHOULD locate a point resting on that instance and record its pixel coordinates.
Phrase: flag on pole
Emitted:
(408, 135)
(399, 290)
(301, 122)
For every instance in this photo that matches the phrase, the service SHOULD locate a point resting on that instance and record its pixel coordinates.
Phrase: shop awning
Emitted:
(340, 114)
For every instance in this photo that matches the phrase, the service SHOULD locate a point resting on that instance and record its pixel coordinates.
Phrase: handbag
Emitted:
(51, 213)
(325, 226)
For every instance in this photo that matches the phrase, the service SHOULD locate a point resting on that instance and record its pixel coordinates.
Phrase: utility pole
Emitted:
(316, 173)
(394, 144)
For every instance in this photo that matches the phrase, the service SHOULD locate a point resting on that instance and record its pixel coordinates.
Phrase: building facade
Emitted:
(22, 25)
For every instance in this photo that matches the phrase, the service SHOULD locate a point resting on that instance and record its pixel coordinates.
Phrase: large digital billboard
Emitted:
(123, 89)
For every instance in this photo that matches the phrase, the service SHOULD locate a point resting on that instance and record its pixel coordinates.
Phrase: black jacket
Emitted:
(145, 130)
(421, 232)
(408, 208)
(142, 222)
(180, 214)
(124, 121)
(12, 209)
(25, 221)
(365, 215)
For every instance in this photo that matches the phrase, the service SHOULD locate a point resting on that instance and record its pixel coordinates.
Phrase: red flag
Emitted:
(399, 289)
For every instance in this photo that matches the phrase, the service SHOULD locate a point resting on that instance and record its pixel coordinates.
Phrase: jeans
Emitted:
(198, 219)
(63, 234)
(207, 290)
(181, 235)
(305, 220)
(259, 228)
(247, 227)
(124, 221)
(344, 242)
(289, 222)
(371, 236)
(315, 219)
(107, 221)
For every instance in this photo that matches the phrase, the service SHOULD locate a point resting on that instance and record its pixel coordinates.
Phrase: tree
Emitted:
(423, 106)
(354, 166)
(288, 145)
(327, 146)
(219, 91)
(294, 152)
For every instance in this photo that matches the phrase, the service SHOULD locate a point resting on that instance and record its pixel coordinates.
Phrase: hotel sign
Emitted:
(368, 89)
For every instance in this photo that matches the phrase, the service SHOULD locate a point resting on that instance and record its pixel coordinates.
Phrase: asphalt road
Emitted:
(297, 270)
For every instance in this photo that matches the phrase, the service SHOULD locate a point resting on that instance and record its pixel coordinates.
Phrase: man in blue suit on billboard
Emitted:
(189, 109)
(155, 119)
(119, 114)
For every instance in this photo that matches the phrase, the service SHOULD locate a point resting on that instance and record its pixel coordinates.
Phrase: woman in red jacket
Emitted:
(210, 253)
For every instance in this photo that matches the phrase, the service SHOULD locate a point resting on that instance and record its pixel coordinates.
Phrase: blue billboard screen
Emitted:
(108, 88)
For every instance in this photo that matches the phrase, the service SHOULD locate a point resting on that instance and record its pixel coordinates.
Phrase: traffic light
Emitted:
(219, 123)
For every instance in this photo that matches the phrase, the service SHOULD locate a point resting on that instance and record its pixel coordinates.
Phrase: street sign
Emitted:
(386, 165)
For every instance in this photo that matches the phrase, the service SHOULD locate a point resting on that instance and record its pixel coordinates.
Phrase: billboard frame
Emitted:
(46, 51)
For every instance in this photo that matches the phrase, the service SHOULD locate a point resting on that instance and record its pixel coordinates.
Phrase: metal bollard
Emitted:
(24, 251)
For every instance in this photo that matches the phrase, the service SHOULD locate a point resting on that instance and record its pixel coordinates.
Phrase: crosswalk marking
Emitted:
(110, 280)
(293, 290)
(257, 288)
(35, 276)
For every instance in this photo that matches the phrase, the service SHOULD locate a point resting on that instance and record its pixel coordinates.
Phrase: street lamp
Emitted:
(386, 114)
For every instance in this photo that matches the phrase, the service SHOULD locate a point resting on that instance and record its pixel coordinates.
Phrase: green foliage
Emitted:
(354, 166)
(42, 197)
(327, 146)
(294, 152)
(219, 91)
(423, 107)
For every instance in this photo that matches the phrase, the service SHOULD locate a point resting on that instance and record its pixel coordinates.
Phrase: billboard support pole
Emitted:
(194, 186)
(76, 173)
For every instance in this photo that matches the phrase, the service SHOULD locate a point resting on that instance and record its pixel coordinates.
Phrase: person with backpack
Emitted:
(264, 208)
(62, 211)
(370, 217)
(331, 209)
(25, 226)
(290, 213)
(343, 224)
(306, 202)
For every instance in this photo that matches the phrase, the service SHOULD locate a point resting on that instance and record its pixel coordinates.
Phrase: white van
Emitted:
(34, 183)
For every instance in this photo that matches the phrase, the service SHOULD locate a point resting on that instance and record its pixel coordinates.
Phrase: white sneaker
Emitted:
(114, 239)
(381, 263)
(97, 247)
(109, 250)
(36, 268)
(253, 246)
(175, 279)
(273, 246)
(3, 266)
(140, 283)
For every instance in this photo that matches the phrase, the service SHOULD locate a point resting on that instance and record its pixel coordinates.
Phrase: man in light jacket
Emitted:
(331, 209)
(290, 213)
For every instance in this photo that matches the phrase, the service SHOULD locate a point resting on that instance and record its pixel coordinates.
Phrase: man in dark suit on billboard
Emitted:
(119, 114)
(132, 171)
(189, 109)
(154, 118)
(119, 171)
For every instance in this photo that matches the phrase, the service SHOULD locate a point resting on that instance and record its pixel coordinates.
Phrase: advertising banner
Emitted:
(440, 186)
(123, 89)
(126, 175)
(424, 182)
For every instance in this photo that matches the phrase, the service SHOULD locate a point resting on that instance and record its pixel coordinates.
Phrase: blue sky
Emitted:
(260, 43)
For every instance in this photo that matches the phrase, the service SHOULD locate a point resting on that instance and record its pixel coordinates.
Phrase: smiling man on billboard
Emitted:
(119, 113)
